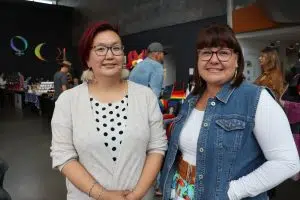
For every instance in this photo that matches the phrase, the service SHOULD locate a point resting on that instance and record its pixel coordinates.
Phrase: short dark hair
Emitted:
(88, 36)
(217, 35)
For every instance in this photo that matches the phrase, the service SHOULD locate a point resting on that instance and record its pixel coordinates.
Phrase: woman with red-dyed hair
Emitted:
(107, 133)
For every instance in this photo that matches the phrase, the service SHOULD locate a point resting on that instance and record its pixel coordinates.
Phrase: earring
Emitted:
(234, 76)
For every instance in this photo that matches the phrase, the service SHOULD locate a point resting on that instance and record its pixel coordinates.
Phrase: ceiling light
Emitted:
(42, 1)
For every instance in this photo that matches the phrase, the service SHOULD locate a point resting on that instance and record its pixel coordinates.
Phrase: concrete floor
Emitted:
(25, 139)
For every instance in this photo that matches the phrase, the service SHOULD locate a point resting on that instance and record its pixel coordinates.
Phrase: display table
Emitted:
(41, 102)
(46, 105)
(32, 98)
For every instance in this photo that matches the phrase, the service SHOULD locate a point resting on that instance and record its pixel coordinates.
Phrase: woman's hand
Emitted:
(114, 195)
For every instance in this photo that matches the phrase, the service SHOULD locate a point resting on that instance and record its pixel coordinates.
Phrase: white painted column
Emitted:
(230, 8)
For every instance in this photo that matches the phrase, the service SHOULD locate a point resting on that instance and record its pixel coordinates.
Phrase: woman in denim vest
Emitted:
(231, 140)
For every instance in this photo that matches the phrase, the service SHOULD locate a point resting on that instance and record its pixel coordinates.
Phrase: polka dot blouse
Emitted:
(110, 123)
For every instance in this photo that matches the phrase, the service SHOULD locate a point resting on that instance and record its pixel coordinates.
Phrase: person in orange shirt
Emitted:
(271, 76)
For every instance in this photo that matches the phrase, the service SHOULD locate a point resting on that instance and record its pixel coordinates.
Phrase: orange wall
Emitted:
(251, 18)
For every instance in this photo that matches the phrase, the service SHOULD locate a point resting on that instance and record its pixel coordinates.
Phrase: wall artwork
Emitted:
(19, 45)
(37, 51)
(31, 46)
(133, 58)
(61, 56)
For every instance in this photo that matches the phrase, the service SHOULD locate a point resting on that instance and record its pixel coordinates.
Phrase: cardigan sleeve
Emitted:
(158, 138)
(62, 148)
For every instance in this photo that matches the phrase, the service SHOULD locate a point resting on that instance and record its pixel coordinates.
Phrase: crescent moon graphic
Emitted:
(37, 51)
(18, 52)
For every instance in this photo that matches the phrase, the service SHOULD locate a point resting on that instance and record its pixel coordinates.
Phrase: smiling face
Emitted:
(106, 65)
(215, 71)
(219, 59)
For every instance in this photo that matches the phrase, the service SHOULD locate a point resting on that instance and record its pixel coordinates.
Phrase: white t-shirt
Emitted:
(189, 136)
(273, 133)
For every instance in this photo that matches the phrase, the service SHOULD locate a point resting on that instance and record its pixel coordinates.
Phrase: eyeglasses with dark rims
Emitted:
(223, 54)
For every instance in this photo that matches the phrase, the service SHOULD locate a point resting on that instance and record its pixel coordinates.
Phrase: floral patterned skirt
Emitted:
(181, 189)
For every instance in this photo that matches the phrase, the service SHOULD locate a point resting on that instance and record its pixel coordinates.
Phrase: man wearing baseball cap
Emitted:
(150, 71)
(61, 79)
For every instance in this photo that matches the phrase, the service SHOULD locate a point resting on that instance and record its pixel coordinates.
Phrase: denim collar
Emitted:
(223, 95)
(193, 100)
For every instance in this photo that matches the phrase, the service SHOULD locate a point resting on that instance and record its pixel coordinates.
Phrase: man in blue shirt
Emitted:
(150, 71)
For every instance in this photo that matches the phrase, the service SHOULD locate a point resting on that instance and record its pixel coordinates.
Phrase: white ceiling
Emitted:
(287, 34)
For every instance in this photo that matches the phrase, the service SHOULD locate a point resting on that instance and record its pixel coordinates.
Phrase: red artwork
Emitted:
(133, 58)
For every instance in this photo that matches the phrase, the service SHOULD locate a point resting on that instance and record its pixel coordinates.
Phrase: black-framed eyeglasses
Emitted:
(223, 54)
(101, 50)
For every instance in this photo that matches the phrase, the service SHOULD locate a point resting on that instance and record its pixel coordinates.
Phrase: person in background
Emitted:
(291, 104)
(3, 169)
(271, 76)
(190, 86)
(2, 88)
(75, 81)
(292, 92)
(61, 79)
(150, 71)
(231, 139)
(107, 133)
(70, 79)
(21, 81)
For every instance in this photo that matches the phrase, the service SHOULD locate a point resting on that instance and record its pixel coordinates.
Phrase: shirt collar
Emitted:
(153, 61)
(225, 92)
(223, 95)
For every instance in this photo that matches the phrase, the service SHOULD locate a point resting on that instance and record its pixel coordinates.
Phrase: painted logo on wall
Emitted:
(37, 51)
(19, 51)
(19, 45)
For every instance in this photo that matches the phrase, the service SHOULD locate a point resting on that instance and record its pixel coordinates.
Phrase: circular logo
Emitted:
(17, 48)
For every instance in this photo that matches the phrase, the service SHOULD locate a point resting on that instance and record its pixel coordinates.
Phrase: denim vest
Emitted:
(226, 149)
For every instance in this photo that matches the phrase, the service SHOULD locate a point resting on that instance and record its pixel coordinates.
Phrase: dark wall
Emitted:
(180, 41)
(37, 23)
